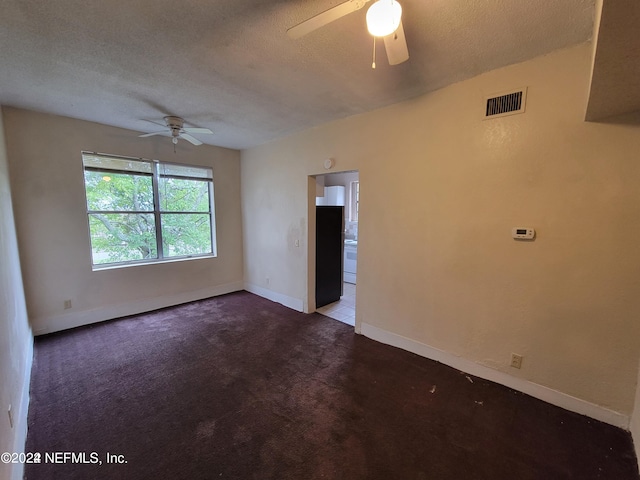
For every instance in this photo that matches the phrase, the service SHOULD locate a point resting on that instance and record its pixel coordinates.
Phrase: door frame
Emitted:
(309, 303)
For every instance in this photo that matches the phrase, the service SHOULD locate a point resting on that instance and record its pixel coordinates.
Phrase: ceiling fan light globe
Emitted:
(383, 17)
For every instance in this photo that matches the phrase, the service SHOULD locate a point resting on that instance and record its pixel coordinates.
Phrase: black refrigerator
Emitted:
(329, 254)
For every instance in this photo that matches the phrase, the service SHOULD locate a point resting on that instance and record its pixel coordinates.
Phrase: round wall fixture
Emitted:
(328, 163)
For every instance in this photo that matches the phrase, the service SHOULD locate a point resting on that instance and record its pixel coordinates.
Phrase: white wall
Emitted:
(440, 191)
(16, 342)
(343, 178)
(44, 154)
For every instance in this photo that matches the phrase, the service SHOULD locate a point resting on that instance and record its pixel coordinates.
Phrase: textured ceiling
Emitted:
(228, 65)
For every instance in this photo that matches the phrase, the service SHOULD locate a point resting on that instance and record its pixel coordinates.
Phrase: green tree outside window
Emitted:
(142, 211)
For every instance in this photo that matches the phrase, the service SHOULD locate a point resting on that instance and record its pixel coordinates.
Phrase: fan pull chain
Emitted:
(373, 64)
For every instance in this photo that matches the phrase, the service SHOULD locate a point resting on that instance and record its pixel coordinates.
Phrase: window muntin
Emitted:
(142, 211)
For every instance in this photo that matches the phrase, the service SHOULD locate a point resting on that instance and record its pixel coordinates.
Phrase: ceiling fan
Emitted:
(176, 129)
(384, 19)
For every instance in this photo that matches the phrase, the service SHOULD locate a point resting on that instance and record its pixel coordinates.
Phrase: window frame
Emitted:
(157, 212)
(354, 200)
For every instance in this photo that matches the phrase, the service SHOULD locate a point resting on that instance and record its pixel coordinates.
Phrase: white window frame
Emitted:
(157, 211)
(354, 200)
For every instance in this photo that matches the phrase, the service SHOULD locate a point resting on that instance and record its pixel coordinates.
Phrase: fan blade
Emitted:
(191, 139)
(396, 46)
(197, 130)
(325, 18)
(152, 134)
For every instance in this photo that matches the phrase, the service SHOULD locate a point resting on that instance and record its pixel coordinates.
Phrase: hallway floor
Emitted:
(344, 310)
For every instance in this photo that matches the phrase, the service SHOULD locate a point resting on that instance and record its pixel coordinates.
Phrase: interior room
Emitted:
(494, 216)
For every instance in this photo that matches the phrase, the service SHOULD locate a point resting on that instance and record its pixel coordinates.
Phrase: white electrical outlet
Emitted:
(268, 280)
(67, 304)
(516, 360)
(10, 414)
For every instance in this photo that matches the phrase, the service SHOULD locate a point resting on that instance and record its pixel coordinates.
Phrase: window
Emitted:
(355, 201)
(142, 211)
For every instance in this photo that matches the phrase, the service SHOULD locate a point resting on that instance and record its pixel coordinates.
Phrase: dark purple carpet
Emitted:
(238, 387)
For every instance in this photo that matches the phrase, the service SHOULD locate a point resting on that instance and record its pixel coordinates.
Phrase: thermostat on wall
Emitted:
(523, 233)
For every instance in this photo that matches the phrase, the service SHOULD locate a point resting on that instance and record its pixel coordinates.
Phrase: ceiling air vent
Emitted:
(502, 104)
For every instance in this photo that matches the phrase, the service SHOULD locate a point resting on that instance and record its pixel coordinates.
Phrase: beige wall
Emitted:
(635, 420)
(47, 181)
(274, 215)
(16, 342)
(441, 190)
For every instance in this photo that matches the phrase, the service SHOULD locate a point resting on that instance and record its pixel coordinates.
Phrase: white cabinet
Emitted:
(333, 196)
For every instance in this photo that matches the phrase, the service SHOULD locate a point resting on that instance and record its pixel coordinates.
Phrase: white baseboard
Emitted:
(291, 302)
(21, 419)
(541, 392)
(56, 323)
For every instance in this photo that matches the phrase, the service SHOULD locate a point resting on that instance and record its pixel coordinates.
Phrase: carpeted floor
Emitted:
(238, 387)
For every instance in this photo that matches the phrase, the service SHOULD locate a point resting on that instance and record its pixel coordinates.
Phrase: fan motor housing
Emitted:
(174, 123)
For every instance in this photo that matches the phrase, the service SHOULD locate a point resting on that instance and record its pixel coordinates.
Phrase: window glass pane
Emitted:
(118, 191)
(122, 237)
(111, 163)
(185, 171)
(185, 234)
(179, 195)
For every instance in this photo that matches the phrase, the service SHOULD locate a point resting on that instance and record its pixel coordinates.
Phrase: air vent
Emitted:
(503, 104)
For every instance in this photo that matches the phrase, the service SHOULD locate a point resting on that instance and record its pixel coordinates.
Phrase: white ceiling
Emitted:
(228, 65)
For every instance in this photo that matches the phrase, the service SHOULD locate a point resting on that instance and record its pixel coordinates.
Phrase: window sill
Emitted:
(98, 268)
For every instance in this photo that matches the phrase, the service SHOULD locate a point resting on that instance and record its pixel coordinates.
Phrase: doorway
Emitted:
(336, 194)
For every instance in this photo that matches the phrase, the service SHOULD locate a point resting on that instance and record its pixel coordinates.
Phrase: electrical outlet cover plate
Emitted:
(516, 360)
